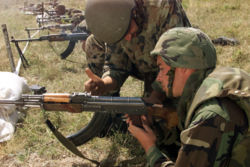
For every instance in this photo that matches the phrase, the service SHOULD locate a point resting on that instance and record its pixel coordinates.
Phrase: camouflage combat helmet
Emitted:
(186, 48)
(109, 20)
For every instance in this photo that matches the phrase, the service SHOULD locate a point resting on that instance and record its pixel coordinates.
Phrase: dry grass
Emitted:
(34, 145)
(228, 18)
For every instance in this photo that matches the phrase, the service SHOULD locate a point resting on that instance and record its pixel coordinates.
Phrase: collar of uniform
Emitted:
(190, 89)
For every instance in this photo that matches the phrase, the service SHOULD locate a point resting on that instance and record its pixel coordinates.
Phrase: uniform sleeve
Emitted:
(166, 14)
(107, 61)
(161, 16)
(95, 55)
(156, 158)
(209, 139)
(117, 64)
(171, 14)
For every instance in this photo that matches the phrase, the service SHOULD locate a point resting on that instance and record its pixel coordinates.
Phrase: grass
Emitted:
(224, 18)
(34, 145)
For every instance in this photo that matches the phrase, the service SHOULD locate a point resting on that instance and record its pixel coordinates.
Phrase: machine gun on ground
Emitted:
(71, 37)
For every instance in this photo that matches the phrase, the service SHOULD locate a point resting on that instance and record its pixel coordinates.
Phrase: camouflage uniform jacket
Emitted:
(132, 58)
(216, 125)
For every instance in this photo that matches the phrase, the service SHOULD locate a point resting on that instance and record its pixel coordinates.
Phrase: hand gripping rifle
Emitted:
(80, 102)
(71, 37)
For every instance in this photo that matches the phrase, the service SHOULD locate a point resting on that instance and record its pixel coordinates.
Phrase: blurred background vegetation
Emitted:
(34, 145)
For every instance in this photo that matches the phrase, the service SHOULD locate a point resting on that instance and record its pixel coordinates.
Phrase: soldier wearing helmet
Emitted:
(213, 108)
(123, 34)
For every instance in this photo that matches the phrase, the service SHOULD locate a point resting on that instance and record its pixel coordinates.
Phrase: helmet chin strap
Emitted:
(170, 74)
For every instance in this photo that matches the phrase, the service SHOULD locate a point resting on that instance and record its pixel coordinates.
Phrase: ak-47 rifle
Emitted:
(71, 37)
(80, 102)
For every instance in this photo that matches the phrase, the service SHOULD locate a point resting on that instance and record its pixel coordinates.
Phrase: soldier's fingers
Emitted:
(128, 121)
(144, 119)
(126, 115)
(145, 123)
(96, 92)
(147, 128)
(92, 76)
(90, 85)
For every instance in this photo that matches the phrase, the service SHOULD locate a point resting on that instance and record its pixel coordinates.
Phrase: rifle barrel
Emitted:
(25, 40)
(57, 37)
(20, 103)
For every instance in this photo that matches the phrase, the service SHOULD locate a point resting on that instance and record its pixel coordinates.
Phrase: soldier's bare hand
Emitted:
(144, 135)
(95, 84)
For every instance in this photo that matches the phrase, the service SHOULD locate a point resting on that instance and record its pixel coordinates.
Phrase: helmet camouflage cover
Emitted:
(109, 20)
(186, 48)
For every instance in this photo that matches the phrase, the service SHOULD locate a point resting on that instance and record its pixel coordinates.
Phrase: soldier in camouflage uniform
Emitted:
(214, 106)
(124, 33)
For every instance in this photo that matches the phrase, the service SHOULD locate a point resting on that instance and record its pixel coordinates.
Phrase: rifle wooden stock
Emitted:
(73, 108)
(60, 102)
(169, 114)
(56, 98)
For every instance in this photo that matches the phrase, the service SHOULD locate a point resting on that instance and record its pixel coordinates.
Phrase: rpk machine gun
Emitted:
(71, 37)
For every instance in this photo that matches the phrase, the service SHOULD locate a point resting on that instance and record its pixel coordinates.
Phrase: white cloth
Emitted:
(11, 88)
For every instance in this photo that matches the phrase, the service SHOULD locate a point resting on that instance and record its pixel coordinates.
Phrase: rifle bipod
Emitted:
(21, 55)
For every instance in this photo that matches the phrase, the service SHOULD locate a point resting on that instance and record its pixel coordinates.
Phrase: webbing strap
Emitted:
(67, 143)
(171, 76)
